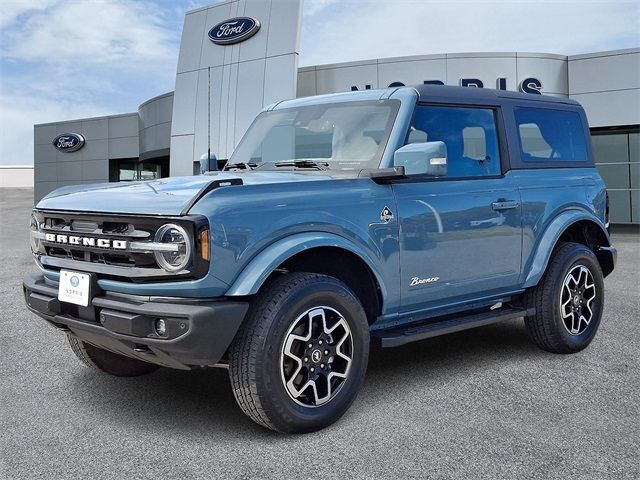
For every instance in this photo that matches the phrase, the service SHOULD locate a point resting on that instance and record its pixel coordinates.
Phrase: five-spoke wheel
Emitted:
(316, 356)
(300, 359)
(576, 298)
(568, 300)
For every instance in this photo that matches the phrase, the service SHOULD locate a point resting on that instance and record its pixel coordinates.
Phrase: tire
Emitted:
(266, 353)
(108, 362)
(566, 320)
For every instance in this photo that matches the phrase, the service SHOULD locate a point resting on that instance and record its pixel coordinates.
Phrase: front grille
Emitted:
(109, 261)
(101, 228)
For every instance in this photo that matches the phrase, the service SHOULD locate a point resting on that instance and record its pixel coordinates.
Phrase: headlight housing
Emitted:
(34, 235)
(177, 252)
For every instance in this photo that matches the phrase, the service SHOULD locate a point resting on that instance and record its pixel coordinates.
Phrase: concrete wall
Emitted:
(449, 68)
(106, 138)
(245, 76)
(154, 134)
(607, 84)
(16, 176)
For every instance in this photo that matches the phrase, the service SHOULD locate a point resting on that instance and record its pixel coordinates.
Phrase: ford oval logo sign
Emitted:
(234, 30)
(68, 142)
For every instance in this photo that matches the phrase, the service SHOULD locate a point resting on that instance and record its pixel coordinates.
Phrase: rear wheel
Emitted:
(568, 301)
(299, 361)
(108, 362)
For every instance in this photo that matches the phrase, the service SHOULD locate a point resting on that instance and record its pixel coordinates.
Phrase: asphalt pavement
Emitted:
(484, 403)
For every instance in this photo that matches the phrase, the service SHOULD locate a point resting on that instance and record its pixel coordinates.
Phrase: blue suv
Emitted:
(385, 216)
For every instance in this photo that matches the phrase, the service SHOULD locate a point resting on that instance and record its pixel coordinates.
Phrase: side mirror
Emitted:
(428, 158)
(208, 164)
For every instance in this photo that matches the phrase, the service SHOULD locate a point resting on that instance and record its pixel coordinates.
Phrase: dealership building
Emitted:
(239, 56)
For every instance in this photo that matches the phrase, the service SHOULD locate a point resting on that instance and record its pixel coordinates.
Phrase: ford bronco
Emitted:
(385, 216)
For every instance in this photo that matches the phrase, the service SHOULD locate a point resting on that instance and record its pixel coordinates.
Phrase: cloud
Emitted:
(313, 7)
(366, 29)
(17, 129)
(12, 9)
(100, 31)
(66, 59)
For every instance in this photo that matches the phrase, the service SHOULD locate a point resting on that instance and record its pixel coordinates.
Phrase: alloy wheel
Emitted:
(316, 356)
(576, 299)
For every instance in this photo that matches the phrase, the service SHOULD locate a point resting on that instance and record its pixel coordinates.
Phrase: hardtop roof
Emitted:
(447, 92)
(428, 93)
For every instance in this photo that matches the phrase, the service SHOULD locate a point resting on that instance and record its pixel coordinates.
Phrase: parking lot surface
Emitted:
(484, 403)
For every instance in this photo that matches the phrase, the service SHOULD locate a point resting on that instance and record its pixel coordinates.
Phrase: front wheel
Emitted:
(300, 359)
(568, 301)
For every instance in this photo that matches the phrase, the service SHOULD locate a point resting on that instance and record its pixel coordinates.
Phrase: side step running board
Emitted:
(400, 336)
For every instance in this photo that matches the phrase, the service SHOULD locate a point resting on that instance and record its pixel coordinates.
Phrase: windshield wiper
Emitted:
(303, 164)
(241, 165)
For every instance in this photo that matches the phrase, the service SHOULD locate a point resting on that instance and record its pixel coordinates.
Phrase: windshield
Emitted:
(340, 136)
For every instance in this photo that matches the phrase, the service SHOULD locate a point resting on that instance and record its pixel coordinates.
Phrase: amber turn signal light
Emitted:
(204, 244)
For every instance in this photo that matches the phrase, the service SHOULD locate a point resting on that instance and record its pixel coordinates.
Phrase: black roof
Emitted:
(449, 93)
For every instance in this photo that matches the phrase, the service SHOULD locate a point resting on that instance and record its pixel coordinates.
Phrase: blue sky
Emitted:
(65, 59)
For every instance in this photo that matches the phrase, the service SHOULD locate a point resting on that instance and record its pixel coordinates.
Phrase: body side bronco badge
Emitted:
(386, 215)
(422, 281)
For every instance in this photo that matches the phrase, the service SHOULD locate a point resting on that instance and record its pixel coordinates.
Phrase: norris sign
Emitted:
(528, 85)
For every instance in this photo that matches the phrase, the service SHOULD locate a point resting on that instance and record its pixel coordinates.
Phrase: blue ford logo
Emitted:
(234, 30)
(68, 142)
(75, 281)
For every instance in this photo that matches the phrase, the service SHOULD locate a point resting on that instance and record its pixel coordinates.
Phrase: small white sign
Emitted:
(74, 288)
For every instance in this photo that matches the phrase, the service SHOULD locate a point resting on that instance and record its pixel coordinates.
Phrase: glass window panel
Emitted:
(347, 135)
(635, 206)
(610, 148)
(635, 175)
(548, 135)
(469, 134)
(620, 205)
(615, 176)
(634, 147)
(127, 171)
(149, 171)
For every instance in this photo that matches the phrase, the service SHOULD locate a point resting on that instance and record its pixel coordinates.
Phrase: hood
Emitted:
(167, 196)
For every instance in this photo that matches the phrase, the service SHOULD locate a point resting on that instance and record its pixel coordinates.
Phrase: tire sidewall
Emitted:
(578, 255)
(289, 415)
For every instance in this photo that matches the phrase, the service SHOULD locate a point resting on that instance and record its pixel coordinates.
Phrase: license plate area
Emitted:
(75, 288)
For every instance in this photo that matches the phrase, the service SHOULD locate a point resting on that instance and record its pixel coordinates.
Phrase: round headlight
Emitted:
(33, 234)
(177, 254)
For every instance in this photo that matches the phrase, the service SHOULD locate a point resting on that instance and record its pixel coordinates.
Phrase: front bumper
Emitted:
(198, 331)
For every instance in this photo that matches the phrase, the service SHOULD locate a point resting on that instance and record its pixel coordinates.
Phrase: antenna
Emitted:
(209, 119)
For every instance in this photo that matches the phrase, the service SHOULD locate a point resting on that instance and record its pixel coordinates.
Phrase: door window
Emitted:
(469, 133)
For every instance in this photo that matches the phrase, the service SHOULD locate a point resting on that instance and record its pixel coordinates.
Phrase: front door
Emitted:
(460, 234)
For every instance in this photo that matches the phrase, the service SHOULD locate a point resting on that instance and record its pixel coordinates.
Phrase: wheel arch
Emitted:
(323, 253)
(571, 226)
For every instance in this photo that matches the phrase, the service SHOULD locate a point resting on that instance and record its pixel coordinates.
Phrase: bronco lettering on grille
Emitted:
(86, 241)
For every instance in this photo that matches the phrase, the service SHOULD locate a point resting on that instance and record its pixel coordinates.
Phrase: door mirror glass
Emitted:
(427, 158)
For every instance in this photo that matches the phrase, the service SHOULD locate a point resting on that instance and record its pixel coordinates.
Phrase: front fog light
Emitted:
(161, 327)
(176, 251)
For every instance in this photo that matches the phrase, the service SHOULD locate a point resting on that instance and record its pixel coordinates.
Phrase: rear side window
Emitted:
(548, 135)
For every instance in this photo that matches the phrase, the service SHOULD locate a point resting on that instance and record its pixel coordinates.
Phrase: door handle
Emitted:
(504, 205)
